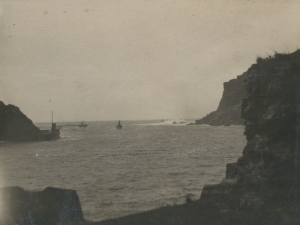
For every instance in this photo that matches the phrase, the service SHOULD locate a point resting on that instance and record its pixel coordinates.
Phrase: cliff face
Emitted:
(229, 109)
(270, 112)
(15, 126)
(264, 183)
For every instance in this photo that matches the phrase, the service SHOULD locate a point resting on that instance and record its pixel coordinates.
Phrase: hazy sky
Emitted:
(134, 59)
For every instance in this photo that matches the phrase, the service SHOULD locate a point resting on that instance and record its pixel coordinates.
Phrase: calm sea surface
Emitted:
(144, 166)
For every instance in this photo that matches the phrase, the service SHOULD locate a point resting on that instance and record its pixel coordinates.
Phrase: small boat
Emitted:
(83, 125)
(119, 126)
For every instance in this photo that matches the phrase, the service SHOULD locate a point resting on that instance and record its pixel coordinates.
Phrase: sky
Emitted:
(134, 59)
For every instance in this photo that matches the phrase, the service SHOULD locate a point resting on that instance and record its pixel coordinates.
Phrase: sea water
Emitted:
(146, 165)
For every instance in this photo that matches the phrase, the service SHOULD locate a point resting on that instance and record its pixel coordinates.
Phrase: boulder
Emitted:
(48, 207)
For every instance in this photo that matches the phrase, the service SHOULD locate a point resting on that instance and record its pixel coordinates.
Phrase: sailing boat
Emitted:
(83, 125)
(119, 126)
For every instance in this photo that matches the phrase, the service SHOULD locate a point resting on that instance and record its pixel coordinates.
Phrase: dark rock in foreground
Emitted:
(229, 109)
(15, 126)
(48, 207)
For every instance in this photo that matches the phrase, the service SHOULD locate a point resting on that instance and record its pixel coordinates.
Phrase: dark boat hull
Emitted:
(49, 136)
(53, 136)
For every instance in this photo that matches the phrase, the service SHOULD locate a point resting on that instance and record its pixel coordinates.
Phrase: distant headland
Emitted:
(229, 109)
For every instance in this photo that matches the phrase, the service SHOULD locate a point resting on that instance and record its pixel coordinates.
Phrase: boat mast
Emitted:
(52, 116)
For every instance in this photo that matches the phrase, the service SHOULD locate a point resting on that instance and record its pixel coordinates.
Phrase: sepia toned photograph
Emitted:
(149, 112)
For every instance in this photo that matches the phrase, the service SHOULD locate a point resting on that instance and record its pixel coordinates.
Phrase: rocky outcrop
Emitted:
(15, 126)
(48, 207)
(270, 112)
(229, 109)
(266, 177)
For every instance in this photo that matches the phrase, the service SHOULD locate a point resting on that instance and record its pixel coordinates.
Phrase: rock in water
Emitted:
(15, 126)
(48, 207)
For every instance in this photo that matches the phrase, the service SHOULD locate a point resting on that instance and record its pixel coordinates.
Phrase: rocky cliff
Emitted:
(264, 183)
(229, 109)
(270, 111)
(15, 126)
